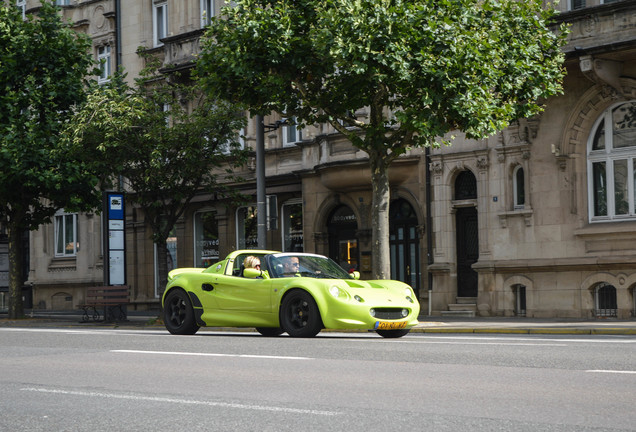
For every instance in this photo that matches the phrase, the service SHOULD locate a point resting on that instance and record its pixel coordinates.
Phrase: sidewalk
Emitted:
(429, 325)
(515, 325)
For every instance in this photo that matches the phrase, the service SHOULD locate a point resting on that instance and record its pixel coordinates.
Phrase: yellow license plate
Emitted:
(387, 325)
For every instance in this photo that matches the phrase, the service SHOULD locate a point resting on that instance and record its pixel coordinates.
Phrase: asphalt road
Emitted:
(80, 379)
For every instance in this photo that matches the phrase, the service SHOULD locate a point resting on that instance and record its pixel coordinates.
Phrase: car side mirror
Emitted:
(355, 275)
(252, 273)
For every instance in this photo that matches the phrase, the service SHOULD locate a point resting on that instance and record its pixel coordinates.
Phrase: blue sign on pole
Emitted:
(114, 239)
(115, 206)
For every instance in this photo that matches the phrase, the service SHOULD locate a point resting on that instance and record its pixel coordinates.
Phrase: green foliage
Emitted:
(162, 137)
(43, 65)
(424, 68)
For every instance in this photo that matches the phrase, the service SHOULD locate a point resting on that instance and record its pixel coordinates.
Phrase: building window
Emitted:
(171, 260)
(207, 12)
(159, 22)
(605, 304)
(206, 239)
(226, 148)
(520, 300)
(66, 241)
(62, 2)
(291, 133)
(611, 162)
(292, 212)
(246, 228)
(465, 186)
(21, 4)
(519, 188)
(103, 58)
(576, 4)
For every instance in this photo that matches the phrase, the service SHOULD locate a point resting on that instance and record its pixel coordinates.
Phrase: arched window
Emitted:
(605, 303)
(520, 299)
(465, 186)
(518, 187)
(611, 165)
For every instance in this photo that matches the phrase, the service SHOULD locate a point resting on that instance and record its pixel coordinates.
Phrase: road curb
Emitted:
(546, 331)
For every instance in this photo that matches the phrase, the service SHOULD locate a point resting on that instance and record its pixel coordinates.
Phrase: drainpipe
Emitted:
(118, 34)
(429, 231)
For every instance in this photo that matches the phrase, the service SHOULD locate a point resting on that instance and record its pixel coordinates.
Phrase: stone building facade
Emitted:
(536, 221)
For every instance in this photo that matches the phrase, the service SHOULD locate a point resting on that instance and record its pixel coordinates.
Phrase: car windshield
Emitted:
(300, 265)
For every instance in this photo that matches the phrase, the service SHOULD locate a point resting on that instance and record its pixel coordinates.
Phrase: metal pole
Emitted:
(429, 231)
(261, 199)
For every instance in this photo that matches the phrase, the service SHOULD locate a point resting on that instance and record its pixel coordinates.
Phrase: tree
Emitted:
(43, 65)
(422, 68)
(164, 139)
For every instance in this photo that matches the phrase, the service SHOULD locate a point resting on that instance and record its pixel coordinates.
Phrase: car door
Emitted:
(241, 294)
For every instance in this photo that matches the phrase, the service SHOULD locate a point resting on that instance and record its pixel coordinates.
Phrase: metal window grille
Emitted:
(520, 300)
(605, 301)
(465, 186)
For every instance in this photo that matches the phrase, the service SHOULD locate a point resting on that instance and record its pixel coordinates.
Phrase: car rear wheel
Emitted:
(270, 331)
(391, 334)
(299, 315)
(178, 316)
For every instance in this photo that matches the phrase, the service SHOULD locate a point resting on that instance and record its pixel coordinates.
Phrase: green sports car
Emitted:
(294, 293)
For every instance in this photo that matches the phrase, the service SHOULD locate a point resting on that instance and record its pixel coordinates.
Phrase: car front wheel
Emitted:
(178, 316)
(270, 331)
(391, 334)
(299, 315)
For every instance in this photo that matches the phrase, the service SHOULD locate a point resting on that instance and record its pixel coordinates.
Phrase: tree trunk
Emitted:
(16, 308)
(162, 266)
(380, 249)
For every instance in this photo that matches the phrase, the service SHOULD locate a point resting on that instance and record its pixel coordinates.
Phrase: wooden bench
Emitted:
(112, 298)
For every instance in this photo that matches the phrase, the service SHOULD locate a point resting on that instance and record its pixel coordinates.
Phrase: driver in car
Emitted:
(291, 266)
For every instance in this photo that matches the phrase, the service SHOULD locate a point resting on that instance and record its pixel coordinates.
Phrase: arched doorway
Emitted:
(404, 243)
(467, 231)
(343, 242)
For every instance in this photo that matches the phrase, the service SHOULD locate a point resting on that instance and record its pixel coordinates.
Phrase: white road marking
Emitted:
(611, 371)
(212, 354)
(181, 401)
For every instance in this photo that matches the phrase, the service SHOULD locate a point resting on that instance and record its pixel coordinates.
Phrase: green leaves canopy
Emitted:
(162, 137)
(43, 65)
(422, 69)
(437, 66)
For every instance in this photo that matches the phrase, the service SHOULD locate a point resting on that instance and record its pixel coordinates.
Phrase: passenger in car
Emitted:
(250, 262)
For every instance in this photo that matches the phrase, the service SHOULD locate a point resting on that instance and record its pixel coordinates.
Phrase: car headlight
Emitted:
(372, 312)
(408, 292)
(405, 313)
(338, 292)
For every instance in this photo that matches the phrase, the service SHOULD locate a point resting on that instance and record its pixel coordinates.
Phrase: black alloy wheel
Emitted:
(392, 334)
(299, 314)
(178, 316)
(270, 331)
